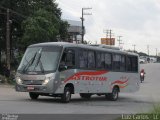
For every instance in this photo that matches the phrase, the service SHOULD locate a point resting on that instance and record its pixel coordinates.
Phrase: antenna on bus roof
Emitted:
(105, 46)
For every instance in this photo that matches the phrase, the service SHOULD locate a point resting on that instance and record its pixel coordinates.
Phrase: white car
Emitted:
(141, 61)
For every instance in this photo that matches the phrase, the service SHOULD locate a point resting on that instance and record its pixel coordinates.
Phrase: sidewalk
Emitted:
(2, 85)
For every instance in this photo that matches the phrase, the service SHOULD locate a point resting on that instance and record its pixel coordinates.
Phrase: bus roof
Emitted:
(85, 46)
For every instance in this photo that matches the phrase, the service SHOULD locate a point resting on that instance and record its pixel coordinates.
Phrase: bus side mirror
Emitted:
(62, 67)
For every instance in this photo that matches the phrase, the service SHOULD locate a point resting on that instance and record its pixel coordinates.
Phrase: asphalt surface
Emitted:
(140, 102)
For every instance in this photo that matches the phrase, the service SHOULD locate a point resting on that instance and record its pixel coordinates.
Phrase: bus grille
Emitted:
(32, 82)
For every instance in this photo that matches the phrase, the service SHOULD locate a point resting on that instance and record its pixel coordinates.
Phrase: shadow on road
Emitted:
(97, 100)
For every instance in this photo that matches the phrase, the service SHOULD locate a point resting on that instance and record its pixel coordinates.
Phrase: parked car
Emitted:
(141, 61)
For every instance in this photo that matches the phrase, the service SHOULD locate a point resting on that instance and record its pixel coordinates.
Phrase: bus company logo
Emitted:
(90, 76)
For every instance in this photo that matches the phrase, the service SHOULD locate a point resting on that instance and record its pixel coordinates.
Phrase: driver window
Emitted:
(68, 58)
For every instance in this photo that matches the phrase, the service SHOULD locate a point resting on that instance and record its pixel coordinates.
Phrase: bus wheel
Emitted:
(66, 96)
(33, 96)
(85, 95)
(114, 95)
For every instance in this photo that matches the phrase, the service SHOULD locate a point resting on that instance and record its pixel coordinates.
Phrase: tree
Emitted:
(42, 26)
(22, 12)
(142, 54)
(63, 31)
(32, 21)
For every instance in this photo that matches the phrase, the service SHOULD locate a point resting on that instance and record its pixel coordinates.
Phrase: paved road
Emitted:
(142, 101)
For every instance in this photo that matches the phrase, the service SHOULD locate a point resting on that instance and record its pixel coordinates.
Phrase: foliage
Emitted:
(42, 26)
(63, 31)
(156, 109)
(31, 21)
(142, 54)
(36, 14)
(2, 79)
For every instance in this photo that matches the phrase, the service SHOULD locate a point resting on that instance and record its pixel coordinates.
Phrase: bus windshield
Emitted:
(40, 59)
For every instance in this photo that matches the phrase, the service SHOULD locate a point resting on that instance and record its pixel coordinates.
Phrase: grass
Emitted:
(156, 109)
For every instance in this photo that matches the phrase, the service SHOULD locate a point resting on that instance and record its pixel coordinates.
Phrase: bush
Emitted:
(3, 79)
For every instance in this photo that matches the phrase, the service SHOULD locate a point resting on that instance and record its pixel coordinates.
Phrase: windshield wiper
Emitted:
(29, 63)
(39, 61)
(41, 66)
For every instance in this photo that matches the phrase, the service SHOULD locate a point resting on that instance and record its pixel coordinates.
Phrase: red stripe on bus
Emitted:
(119, 82)
(92, 73)
(123, 86)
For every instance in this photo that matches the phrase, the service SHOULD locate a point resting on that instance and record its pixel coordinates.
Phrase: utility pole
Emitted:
(156, 52)
(109, 35)
(106, 32)
(8, 40)
(134, 47)
(96, 42)
(82, 18)
(148, 49)
(119, 40)
(0, 36)
(8, 21)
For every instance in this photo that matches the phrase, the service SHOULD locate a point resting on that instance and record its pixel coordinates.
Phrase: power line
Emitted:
(14, 12)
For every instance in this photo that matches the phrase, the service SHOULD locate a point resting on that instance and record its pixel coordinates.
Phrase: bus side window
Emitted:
(129, 64)
(91, 59)
(134, 64)
(83, 59)
(100, 58)
(122, 67)
(108, 61)
(116, 62)
(68, 59)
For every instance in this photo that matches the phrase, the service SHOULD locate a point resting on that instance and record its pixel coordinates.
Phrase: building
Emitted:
(75, 31)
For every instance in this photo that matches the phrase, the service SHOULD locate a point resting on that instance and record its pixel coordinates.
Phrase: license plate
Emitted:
(30, 88)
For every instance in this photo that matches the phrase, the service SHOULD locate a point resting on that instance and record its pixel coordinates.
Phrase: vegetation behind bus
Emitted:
(32, 22)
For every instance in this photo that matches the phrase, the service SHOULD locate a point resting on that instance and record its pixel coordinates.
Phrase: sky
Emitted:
(137, 21)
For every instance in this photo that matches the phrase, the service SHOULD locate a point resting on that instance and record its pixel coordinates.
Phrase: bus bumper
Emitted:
(33, 88)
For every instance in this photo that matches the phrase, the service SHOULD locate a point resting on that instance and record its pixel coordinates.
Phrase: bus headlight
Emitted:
(18, 80)
(46, 81)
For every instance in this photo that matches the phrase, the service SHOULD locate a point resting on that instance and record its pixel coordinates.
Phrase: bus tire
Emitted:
(66, 96)
(85, 95)
(114, 95)
(33, 96)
